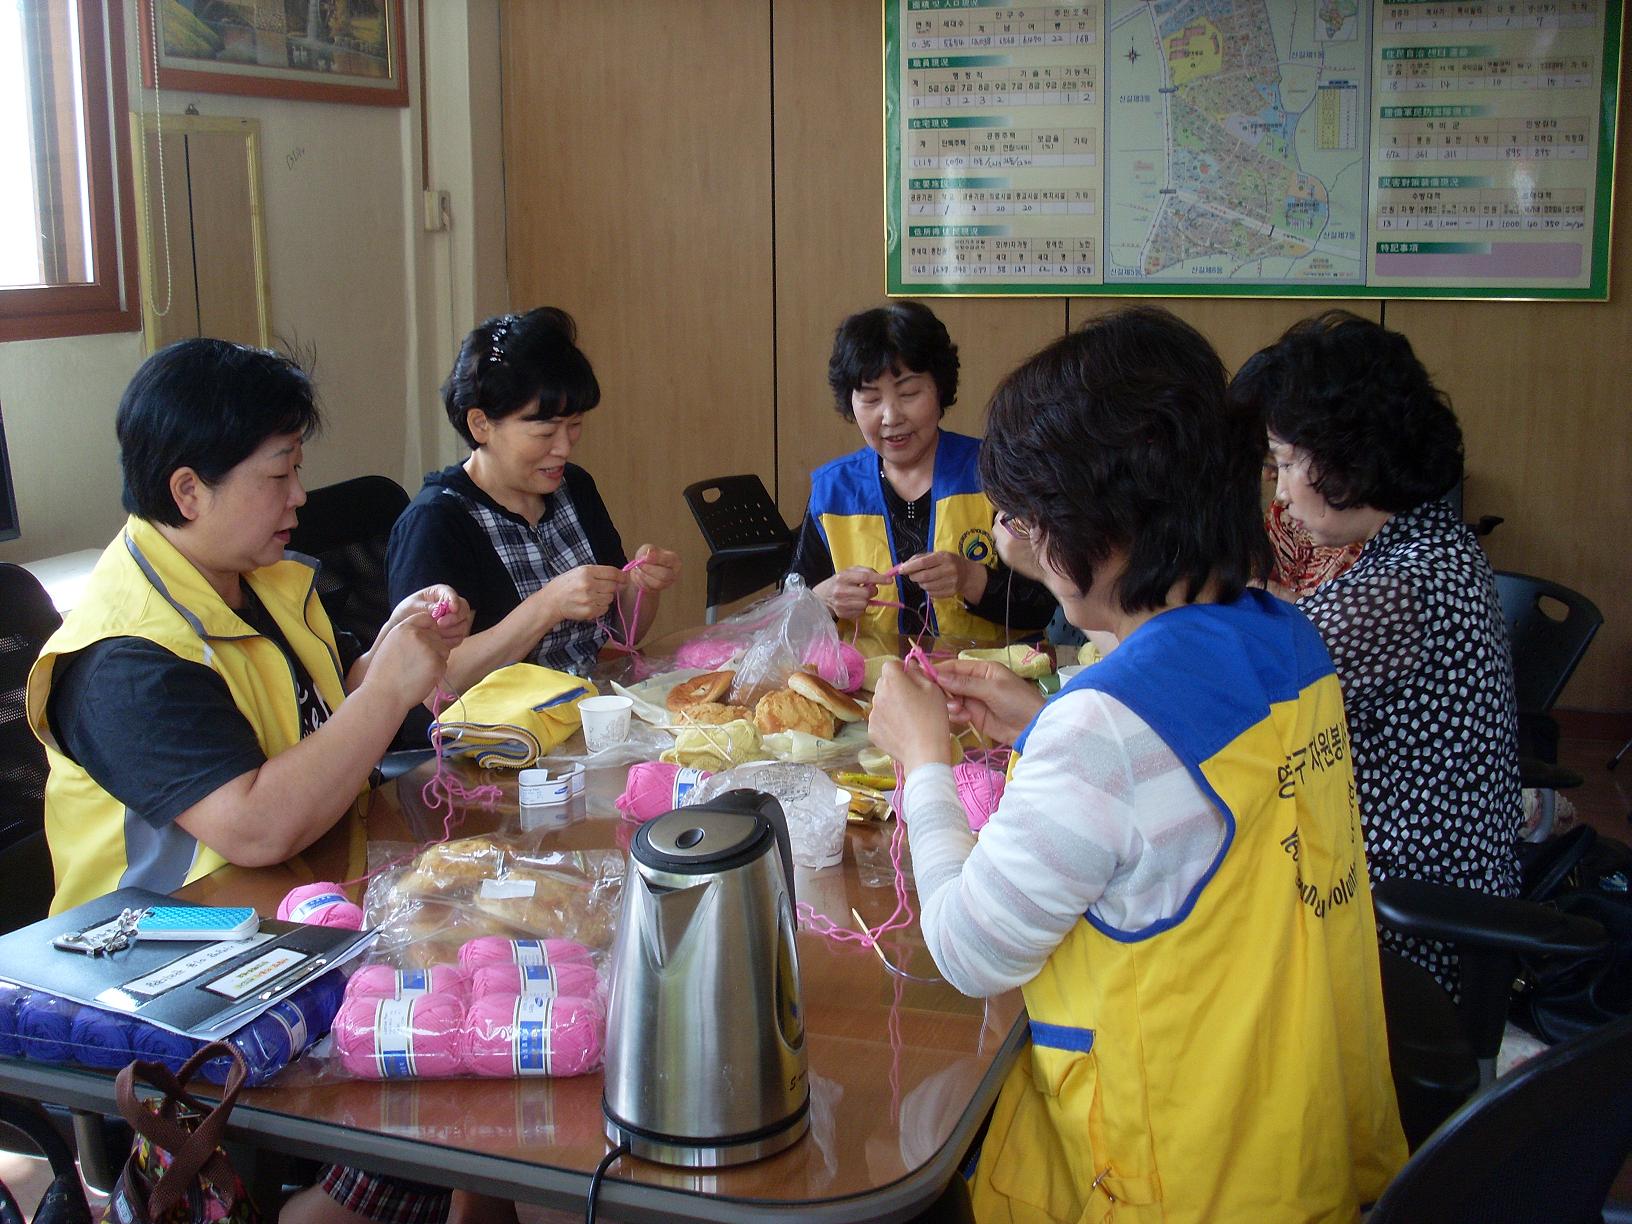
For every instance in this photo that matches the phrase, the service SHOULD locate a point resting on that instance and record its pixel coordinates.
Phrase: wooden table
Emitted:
(902, 1072)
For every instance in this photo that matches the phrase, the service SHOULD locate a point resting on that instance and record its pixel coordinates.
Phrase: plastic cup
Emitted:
(606, 721)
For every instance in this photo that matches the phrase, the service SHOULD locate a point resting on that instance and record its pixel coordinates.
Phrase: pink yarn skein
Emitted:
(707, 653)
(533, 1035)
(839, 663)
(495, 950)
(980, 790)
(384, 982)
(415, 1038)
(323, 905)
(654, 788)
(575, 979)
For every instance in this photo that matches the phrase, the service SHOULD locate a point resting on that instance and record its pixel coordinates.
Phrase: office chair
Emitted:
(1545, 1143)
(1442, 1051)
(346, 527)
(27, 618)
(749, 546)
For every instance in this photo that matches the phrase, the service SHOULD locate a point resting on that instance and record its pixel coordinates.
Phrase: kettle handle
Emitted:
(770, 807)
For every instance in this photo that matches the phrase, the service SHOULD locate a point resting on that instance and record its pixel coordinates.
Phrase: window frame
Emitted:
(110, 302)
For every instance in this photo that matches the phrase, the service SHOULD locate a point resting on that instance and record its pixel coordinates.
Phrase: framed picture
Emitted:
(315, 50)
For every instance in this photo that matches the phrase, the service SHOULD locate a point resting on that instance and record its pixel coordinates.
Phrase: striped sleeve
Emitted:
(1100, 814)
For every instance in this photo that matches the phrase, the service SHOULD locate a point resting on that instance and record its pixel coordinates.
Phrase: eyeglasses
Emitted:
(1015, 526)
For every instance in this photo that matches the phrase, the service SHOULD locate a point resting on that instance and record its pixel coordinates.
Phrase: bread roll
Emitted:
(786, 710)
(710, 686)
(841, 705)
(710, 714)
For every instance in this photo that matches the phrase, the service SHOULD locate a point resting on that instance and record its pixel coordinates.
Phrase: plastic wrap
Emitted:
(500, 886)
(809, 799)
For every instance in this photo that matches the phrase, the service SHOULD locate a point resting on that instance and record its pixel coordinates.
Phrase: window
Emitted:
(62, 137)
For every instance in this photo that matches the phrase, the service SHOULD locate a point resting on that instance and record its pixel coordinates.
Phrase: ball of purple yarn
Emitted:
(10, 996)
(101, 1039)
(162, 1046)
(45, 1027)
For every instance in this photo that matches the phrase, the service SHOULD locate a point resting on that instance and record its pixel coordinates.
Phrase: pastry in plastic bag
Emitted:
(715, 748)
(710, 714)
(786, 710)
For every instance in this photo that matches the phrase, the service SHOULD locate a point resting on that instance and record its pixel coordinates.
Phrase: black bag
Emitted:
(1561, 998)
(64, 1200)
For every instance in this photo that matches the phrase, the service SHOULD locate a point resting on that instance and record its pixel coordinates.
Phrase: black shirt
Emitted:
(160, 732)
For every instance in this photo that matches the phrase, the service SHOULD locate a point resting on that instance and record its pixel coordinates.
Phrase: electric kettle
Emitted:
(705, 1037)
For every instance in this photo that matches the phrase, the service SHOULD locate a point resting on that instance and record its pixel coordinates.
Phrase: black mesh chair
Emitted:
(27, 618)
(346, 527)
(749, 546)
(1544, 1143)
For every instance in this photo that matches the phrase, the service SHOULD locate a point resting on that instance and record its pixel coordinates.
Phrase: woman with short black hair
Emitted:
(1174, 873)
(1365, 447)
(196, 705)
(905, 512)
(516, 529)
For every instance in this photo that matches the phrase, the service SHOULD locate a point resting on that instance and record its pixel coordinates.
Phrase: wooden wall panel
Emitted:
(637, 175)
(830, 238)
(224, 205)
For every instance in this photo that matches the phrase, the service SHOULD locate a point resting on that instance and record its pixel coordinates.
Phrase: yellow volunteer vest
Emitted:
(847, 502)
(142, 587)
(1229, 1063)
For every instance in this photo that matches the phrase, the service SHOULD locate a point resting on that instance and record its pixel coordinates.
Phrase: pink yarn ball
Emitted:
(533, 1035)
(384, 982)
(322, 905)
(577, 979)
(654, 788)
(494, 950)
(980, 790)
(707, 653)
(839, 663)
(416, 1038)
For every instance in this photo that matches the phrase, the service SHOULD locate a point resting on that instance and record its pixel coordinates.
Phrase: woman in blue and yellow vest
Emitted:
(905, 513)
(1175, 875)
(196, 706)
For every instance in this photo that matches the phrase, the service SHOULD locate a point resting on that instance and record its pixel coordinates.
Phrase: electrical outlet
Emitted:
(437, 213)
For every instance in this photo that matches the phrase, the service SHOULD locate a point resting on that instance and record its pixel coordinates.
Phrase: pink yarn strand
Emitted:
(622, 639)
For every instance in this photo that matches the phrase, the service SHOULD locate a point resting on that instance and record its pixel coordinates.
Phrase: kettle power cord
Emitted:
(595, 1182)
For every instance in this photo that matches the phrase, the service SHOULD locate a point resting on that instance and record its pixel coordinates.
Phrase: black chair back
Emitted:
(1545, 650)
(27, 619)
(749, 545)
(1544, 1143)
(346, 527)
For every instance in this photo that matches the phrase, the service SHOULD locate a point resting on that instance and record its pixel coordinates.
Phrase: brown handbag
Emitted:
(176, 1172)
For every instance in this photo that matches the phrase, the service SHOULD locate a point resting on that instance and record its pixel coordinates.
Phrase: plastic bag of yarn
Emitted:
(414, 1038)
(809, 801)
(655, 787)
(10, 996)
(533, 1035)
(45, 1026)
(323, 905)
(488, 950)
(282, 1033)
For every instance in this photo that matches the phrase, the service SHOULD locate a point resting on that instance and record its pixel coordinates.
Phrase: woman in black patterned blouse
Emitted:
(1365, 447)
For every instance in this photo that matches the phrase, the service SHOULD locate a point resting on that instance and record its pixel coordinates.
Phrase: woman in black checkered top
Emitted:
(516, 529)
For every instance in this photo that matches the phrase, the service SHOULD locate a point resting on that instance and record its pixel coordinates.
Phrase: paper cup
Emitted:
(1068, 674)
(606, 721)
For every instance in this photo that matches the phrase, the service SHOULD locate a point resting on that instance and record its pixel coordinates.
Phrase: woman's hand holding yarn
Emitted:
(847, 592)
(581, 594)
(909, 717)
(989, 697)
(654, 569)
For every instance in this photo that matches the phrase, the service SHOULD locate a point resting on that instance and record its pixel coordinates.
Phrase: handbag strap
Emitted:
(194, 1150)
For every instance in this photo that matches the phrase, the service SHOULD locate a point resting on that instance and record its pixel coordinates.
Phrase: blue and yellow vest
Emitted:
(142, 587)
(847, 503)
(1229, 1062)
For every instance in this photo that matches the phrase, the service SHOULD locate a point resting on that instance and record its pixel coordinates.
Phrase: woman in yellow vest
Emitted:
(195, 706)
(898, 535)
(1175, 876)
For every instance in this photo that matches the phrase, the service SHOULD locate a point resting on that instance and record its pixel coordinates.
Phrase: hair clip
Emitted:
(501, 329)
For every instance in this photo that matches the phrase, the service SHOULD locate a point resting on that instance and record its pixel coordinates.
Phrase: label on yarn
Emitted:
(311, 905)
(413, 982)
(293, 1021)
(685, 781)
(537, 980)
(529, 951)
(530, 1046)
(394, 1038)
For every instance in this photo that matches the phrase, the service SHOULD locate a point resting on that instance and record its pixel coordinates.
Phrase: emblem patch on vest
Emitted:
(978, 545)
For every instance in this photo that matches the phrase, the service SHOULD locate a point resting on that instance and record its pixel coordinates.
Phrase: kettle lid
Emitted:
(703, 839)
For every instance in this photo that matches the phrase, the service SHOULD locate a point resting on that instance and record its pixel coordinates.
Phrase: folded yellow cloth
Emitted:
(513, 716)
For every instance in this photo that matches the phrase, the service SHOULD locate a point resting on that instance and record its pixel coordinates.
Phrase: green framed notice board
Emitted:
(1270, 148)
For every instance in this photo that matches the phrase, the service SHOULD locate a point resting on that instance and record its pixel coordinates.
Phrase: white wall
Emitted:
(350, 271)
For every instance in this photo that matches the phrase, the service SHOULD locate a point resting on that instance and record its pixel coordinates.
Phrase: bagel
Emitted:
(786, 710)
(841, 705)
(710, 686)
